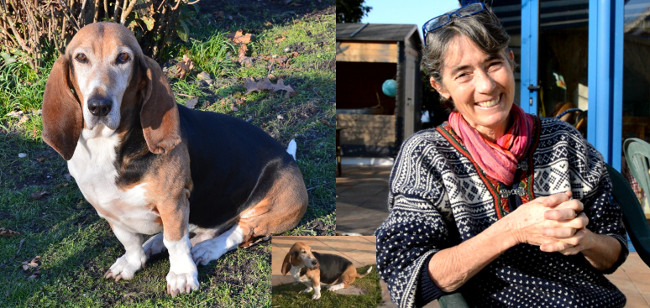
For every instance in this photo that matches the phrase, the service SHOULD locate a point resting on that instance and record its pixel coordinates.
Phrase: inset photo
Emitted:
(324, 271)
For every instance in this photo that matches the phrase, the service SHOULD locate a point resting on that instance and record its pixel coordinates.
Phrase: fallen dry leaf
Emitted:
(181, 69)
(280, 39)
(174, 71)
(188, 62)
(62, 185)
(32, 267)
(38, 195)
(327, 123)
(241, 38)
(280, 61)
(265, 84)
(8, 233)
(242, 52)
(33, 264)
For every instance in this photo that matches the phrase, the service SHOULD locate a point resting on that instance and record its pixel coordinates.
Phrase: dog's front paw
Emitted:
(125, 267)
(316, 296)
(182, 283)
(204, 252)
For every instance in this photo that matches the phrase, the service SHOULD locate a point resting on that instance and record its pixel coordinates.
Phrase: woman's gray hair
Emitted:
(484, 29)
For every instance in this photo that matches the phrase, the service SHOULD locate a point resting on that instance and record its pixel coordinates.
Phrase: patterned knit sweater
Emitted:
(438, 198)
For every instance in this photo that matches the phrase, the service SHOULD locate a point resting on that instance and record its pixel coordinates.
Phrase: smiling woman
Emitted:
(482, 84)
(506, 208)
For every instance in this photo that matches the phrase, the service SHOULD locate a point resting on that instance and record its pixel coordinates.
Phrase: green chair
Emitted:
(453, 300)
(633, 216)
(637, 153)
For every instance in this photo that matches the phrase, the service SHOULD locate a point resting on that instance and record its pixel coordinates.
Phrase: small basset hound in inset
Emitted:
(151, 166)
(313, 269)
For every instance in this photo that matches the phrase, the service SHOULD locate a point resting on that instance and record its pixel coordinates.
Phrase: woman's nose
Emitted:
(484, 83)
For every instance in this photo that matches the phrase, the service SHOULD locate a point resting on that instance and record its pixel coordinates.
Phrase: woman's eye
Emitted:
(462, 76)
(495, 65)
(123, 57)
(81, 58)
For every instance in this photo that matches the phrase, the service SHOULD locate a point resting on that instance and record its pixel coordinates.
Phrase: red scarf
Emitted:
(498, 160)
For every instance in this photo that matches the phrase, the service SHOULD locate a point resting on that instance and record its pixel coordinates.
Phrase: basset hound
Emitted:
(202, 182)
(313, 269)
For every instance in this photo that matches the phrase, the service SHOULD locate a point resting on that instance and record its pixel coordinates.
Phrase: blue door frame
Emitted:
(605, 121)
(604, 124)
(529, 48)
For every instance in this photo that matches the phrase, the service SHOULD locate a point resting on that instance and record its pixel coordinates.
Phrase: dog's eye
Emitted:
(123, 57)
(81, 58)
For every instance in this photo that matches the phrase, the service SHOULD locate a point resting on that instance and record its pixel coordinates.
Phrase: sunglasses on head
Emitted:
(444, 19)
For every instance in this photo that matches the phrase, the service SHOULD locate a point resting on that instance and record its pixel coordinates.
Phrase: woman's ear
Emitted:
(439, 88)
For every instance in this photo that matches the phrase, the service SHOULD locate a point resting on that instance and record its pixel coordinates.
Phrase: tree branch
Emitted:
(127, 11)
(66, 12)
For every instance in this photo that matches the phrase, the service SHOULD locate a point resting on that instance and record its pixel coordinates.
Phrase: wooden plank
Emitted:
(366, 52)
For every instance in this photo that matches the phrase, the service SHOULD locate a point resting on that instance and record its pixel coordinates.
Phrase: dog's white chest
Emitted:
(93, 168)
(295, 273)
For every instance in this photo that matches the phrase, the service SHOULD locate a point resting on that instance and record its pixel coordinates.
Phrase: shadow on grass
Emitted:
(233, 15)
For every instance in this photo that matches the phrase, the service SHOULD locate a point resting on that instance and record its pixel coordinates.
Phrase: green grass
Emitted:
(40, 200)
(290, 295)
(214, 55)
(22, 90)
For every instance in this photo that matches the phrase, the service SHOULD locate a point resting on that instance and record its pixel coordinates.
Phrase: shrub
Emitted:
(31, 29)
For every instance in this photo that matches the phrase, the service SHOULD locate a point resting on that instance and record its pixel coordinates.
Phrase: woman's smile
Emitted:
(490, 103)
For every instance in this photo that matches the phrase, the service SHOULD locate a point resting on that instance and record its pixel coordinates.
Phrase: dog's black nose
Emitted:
(99, 106)
(314, 262)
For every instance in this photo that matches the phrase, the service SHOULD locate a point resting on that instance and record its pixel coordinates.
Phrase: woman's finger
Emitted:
(556, 199)
(559, 214)
(580, 222)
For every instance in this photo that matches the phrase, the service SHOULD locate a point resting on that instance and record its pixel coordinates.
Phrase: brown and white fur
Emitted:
(315, 269)
(151, 166)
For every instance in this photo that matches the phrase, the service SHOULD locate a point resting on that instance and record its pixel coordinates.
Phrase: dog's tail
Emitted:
(291, 149)
(367, 272)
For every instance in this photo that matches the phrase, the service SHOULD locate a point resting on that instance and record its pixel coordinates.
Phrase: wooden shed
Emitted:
(370, 123)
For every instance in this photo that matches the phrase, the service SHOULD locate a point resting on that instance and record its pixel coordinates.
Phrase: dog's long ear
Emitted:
(159, 113)
(62, 119)
(286, 264)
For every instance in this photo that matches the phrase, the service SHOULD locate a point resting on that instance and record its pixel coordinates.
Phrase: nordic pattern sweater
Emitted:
(439, 198)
